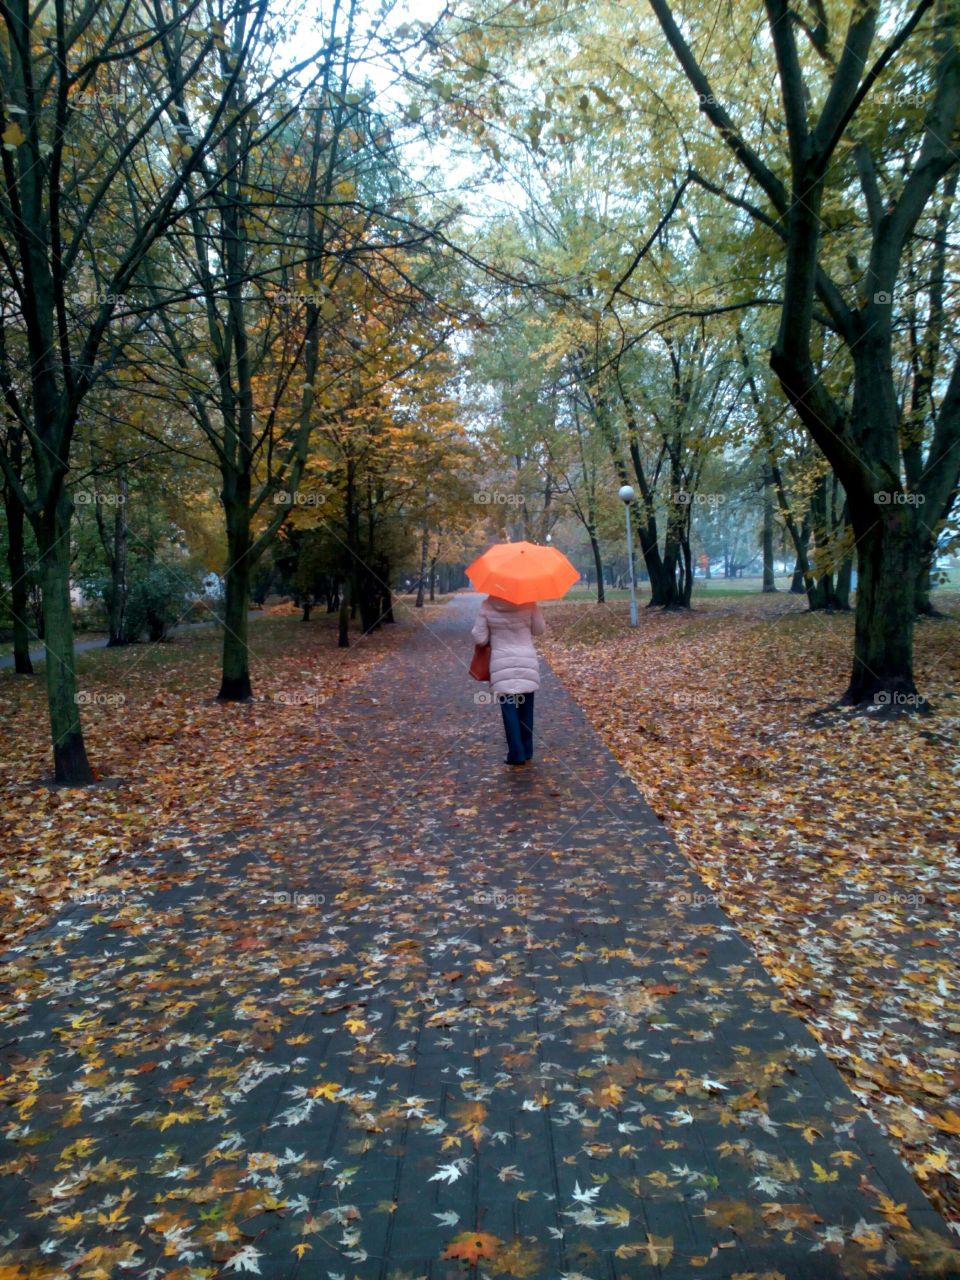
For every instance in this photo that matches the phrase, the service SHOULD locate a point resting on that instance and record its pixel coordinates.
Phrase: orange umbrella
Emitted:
(523, 572)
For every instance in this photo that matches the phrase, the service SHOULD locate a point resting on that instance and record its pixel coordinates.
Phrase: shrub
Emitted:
(158, 599)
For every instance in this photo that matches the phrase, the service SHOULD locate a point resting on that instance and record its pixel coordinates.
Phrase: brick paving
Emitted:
(429, 1017)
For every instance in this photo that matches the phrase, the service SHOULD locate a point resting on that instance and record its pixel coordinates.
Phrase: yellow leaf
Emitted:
(949, 1122)
(657, 1251)
(13, 136)
(820, 1174)
(324, 1090)
(618, 1217)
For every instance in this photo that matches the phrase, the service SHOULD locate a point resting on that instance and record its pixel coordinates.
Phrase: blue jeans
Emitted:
(517, 711)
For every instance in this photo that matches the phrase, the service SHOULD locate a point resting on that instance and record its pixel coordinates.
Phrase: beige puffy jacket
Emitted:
(509, 629)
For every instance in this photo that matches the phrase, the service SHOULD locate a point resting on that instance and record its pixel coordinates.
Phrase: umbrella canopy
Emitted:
(522, 572)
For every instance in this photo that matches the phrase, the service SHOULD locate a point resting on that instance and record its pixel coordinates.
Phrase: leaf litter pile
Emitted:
(833, 843)
(376, 1002)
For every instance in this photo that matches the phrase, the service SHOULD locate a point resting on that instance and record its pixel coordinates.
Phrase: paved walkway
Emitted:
(38, 655)
(426, 1013)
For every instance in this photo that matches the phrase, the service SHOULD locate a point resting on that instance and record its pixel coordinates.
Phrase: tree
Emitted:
(828, 142)
(89, 151)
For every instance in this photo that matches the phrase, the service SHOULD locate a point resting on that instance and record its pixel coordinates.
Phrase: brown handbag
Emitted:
(480, 666)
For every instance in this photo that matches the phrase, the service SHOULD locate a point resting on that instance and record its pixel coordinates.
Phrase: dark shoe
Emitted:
(514, 764)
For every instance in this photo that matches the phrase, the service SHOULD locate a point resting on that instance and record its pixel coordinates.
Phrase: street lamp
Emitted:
(625, 494)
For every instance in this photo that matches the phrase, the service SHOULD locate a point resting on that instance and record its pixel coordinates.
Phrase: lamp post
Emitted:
(626, 497)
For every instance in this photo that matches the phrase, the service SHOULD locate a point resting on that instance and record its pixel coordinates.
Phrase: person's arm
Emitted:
(481, 628)
(538, 623)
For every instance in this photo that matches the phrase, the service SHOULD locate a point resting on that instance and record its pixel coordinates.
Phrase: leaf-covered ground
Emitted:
(395, 1012)
(834, 846)
(166, 752)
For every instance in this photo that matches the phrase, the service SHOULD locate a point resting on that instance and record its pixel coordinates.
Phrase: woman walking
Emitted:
(514, 668)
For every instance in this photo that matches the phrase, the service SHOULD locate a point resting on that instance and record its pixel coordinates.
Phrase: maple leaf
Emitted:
(248, 1259)
(472, 1247)
(585, 1197)
(449, 1173)
(326, 1089)
(948, 1122)
(618, 1217)
(657, 1251)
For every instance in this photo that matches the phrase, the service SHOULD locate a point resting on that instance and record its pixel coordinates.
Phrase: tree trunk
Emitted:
(368, 602)
(19, 603)
(923, 605)
(71, 766)
(686, 584)
(433, 579)
(423, 565)
(119, 584)
(769, 583)
(343, 635)
(598, 563)
(882, 675)
(235, 679)
(842, 588)
(386, 596)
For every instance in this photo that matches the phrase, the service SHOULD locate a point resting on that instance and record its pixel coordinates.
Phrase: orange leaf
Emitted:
(471, 1246)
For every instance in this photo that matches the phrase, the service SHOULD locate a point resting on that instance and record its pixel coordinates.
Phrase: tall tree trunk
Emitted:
(19, 603)
(802, 577)
(343, 632)
(820, 591)
(769, 581)
(597, 561)
(119, 582)
(71, 766)
(433, 579)
(235, 680)
(424, 540)
(386, 595)
(886, 582)
(842, 588)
